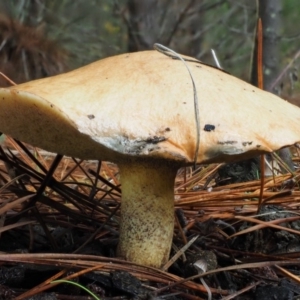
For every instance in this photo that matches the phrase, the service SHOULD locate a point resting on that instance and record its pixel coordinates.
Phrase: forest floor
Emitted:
(65, 227)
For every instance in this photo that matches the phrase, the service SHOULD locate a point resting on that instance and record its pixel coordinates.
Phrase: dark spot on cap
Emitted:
(227, 142)
(91, 117)
(184, 102)
(155, 139)
(209, 127)
(246, 143)
(167, 129)
(258, 146)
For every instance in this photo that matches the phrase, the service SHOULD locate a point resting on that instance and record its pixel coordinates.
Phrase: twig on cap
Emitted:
(171, 53)
(215, 58)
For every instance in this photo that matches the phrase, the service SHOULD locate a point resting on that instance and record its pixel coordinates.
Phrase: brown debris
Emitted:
(26, 53)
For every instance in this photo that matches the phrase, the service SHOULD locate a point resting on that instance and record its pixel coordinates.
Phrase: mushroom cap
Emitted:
(142, 105)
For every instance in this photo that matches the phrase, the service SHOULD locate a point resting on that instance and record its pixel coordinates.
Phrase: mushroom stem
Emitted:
(147, 211)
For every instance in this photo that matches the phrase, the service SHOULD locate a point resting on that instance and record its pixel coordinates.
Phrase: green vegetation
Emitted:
(78, 285)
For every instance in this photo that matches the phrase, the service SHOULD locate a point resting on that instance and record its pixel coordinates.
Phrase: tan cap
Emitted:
(142, 104)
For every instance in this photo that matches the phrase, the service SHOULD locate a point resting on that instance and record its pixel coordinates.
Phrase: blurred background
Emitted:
(40, 38)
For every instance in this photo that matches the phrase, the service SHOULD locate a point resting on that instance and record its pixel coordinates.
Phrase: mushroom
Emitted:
(137, 110)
